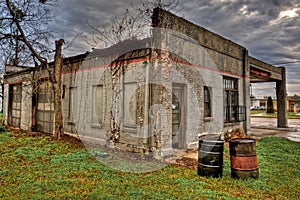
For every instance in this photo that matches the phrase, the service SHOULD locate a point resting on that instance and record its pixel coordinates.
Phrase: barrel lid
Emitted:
(210, 137)
(242, 140)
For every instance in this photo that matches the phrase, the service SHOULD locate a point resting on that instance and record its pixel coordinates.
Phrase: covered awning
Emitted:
(264, 72)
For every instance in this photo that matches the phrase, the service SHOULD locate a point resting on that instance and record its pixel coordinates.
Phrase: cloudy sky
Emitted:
(269, 29)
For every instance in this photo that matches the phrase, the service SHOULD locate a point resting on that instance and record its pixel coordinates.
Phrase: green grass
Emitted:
(262, 113)
(41, 168)
(292, 115)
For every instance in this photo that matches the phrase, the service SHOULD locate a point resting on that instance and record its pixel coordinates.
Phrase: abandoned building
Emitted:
(154, 94)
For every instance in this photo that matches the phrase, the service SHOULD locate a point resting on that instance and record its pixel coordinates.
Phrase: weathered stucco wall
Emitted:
(214, 54)
(227, 55)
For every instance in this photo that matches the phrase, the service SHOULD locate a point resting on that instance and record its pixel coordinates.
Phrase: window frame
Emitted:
(124, 117)
(231, 99)
(95, 121)
(72, 102)
(207, 102)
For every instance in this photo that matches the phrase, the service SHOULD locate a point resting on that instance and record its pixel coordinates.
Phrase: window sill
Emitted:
(70, 123)
(130, 129)
(208, 119)
(96, 126)
(231, 123)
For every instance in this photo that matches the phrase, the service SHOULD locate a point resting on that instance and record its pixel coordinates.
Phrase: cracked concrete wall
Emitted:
(230, 60)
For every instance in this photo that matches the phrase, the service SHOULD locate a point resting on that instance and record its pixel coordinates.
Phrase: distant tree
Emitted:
(270, 108)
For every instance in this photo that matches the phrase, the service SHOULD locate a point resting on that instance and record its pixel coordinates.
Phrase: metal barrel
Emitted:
(243, 159)
(210, 156)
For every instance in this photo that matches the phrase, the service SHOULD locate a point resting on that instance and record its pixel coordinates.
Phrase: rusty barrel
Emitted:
(210, 155)
(243, 158)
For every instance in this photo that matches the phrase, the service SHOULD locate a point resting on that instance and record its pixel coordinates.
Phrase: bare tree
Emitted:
(23, 31)
(24, 40)
(145, 9)
(58, 62)
(134, 23)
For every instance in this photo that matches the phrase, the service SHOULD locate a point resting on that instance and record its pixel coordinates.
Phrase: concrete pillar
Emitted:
(246, 92)
(5, 104)
(281, 101)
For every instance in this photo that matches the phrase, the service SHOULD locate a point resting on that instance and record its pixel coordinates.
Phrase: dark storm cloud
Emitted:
(257, 25)
(75, 12)
(71, 17)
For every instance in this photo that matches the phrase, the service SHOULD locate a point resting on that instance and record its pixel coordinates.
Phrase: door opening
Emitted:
(178, 116)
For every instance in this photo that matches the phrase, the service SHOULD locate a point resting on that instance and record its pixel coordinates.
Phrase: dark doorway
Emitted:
(178, 116)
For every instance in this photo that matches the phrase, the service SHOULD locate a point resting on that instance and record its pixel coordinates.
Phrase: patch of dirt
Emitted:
(117, 153)
(18, 133)
(187, 158)
(75, 142)
(186, 162)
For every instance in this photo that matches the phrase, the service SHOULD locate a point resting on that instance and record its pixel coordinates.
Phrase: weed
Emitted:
(2, 129)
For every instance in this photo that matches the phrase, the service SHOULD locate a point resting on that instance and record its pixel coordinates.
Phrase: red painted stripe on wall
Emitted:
(137, 60)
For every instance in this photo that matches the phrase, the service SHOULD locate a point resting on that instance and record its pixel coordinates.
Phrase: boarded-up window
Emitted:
(98, 105)
(72, 103)
(130, 99)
